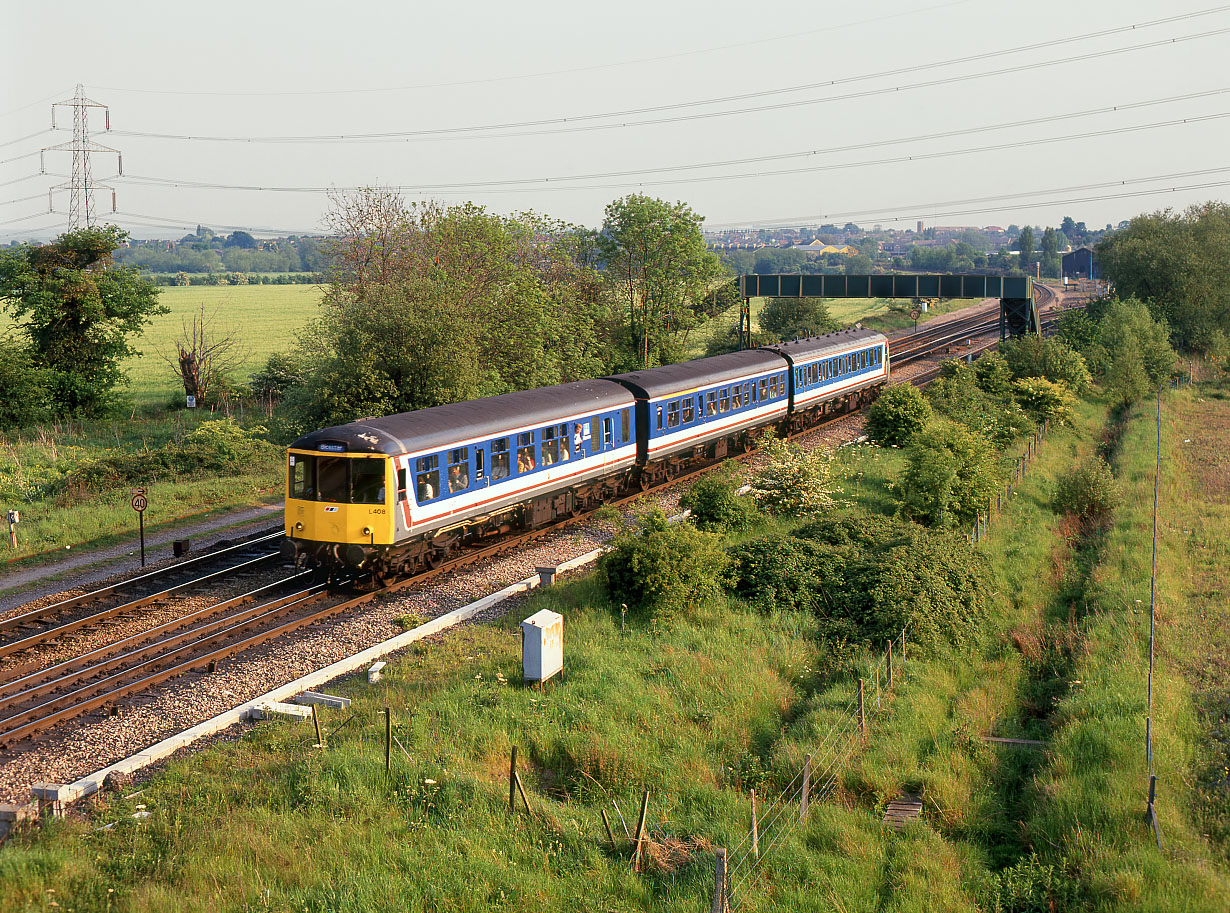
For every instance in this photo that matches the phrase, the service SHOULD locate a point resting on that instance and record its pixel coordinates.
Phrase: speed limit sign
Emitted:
(139, 503)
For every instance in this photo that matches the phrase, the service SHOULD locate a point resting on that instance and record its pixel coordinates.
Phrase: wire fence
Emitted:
(997, 501)
(739, 867)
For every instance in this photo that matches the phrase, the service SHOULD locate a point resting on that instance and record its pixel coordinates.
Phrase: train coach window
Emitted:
(458, 470)
(554, 444)
(711, 404)
(736, 397)
(401, 485)
(659, 412)
(764, 389)
(672, 415)
(333, 477)
(608, 428)
(724, 400)
(525, 451)
(595, 434)
(688, 410)
(427, 477)
(624, 426)
(367, 481)
(302, 477)
(499, 459)
(747, 393)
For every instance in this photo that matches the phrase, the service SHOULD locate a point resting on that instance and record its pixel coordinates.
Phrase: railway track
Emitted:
(35, 699)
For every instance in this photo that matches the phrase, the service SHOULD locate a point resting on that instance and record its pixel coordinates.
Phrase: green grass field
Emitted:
(263, 318)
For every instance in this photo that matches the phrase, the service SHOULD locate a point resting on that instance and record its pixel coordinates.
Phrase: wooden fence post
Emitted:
(606, 822)
(721, 901)
(512, 782)
(806, 790)
(320, 735)
(640, 832)
(862, 711)
(755, 829)
(388, 741)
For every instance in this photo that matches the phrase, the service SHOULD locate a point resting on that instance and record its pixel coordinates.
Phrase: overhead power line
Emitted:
(900, 213)
(567, 71)
(929, 207)
(585, 122)
(566, 182)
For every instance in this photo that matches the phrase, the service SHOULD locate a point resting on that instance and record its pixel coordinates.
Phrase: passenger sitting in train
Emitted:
(499, 466)
(427, 491)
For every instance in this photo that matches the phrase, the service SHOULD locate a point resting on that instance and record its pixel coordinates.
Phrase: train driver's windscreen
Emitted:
(340, 480)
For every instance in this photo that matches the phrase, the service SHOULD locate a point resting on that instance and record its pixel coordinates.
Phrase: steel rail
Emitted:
(29, 722)
(92, 661)
(101, 593)
(34, 640)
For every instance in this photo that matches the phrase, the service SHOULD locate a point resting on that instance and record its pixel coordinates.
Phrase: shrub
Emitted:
(783, 572)
(661, 570)
(950, 474)
(1045, 400)
(1041, 356)
(993, 374)
(866, 578)
(714, 505)
(958, 395)
(793, 482)
(1088, 491)
(898, 414)
(281, 372)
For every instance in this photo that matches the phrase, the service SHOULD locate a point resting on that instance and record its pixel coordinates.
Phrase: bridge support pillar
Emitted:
(1017, 317)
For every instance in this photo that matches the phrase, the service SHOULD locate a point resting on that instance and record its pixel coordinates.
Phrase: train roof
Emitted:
(669, 380)
(802, 351)
(437, 427)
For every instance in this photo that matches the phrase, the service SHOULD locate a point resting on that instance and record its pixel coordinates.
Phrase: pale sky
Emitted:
(753, 114)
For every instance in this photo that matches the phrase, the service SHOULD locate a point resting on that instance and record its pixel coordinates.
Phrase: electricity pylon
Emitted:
(81, 187)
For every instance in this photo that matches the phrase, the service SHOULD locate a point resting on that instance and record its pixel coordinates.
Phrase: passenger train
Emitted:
(395, 495)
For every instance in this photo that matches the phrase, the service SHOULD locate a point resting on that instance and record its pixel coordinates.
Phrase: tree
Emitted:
(1131, 353)
(1025, 246)
(792, 318)
(658, 267)
(204, 356)
(1050, 253)
(78, 311)
(241, 239)
(27, 397)
(1176, 264)
(430, 304)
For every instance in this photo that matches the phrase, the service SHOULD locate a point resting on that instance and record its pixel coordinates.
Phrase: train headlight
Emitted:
(299, 527)
(367, 530)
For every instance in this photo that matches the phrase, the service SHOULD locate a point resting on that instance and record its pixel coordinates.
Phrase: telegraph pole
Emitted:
(81, 186)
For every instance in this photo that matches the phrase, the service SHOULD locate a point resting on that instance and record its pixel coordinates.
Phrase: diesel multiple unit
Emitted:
(395, 495)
